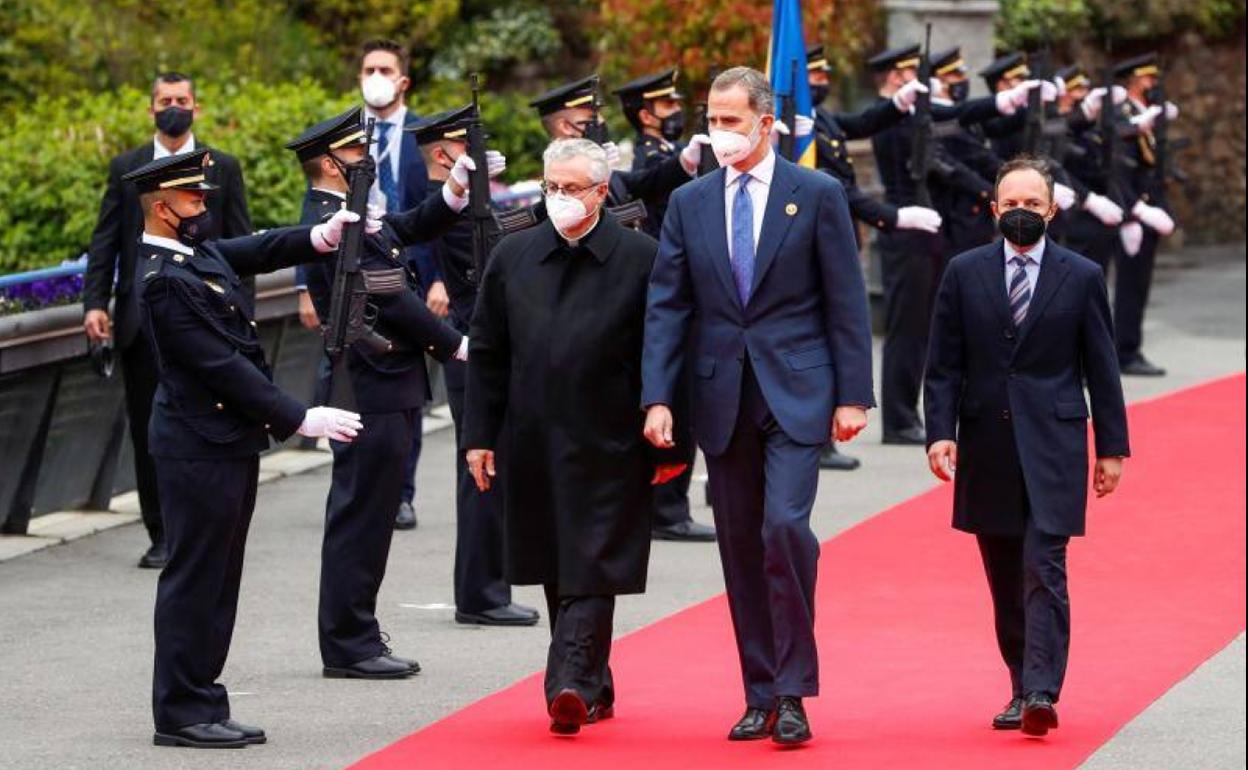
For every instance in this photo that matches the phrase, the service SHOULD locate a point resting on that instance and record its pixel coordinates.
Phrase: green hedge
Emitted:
(54, 156)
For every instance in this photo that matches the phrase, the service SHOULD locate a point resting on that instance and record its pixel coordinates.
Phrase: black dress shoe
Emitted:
(1011, 718)
(253, 735)
(206, 735)
(1039, 716)
(568, 712)
(832, 460)
(507, 615)
(791, 727)
(406, 517)
(155, 557)
(686, 531)
(411, 664)
(753, 725)
(906, 436)
(1141, 367)
(380, 667)
(599, 712)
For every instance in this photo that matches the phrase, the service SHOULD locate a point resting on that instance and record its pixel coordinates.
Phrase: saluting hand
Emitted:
(481, 466)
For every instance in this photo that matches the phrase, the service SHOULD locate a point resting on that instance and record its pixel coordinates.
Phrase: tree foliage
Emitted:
(1025, 22)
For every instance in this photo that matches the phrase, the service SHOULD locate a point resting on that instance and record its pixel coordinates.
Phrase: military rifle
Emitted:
(485, 229)
(707, 163)
(921, 147)
(788, 115)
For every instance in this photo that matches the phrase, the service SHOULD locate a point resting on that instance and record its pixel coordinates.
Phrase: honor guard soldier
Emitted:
(482, 593)
(1006, 132)
(389, 388)
(215, 409)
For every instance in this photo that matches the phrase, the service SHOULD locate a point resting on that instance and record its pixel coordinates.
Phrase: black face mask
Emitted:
(673, 126)
(818, 94)
(174, 121)
(1153, 95)
(196, 229)
(1022, 227)
(959, 91)
(345, 169)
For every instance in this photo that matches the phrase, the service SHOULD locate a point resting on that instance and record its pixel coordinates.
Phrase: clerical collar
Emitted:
(573, 243)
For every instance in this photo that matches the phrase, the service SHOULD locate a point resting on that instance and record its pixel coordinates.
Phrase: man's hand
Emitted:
(691, 156)
(1106, 475)
(665, 473)
(942, 458)
(613, 154)
(1064, 196)
(438, 302)
(481, 466)
(658, 430)
(334, 424)
(327, 235)
(907, 95)
(307, 312)
(918, 218)
(847, 422)
(1104, 209)
(1154, 217)
(97, 325)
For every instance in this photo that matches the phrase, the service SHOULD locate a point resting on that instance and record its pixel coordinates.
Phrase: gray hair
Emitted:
(762, 101)
(567, 149)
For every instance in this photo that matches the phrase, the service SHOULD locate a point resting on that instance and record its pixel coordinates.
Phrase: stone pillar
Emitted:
(966, 23)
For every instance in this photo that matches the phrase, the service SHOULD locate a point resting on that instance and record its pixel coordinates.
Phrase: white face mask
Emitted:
(379, 91)
(565, 212)
(730, 147)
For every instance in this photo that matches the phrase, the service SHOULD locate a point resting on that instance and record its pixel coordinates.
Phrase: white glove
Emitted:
(372, 223)
(691, 155)
(1154, 217)
(1132, 236)
(327, 235)
(918, 218)
(1048, 91)
(613, 154)
(1145, 120)
(461, 354)
(1061, 86)
(1064, 196)
(1092, 103)
(335, 424)
(495, 164)
(805, 125)
(1172, 111)
(1104, 209)
(908, 94)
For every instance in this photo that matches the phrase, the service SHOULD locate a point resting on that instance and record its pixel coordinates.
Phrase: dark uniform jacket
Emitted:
(115, 241)
(967, 214)
(832, 132)
(452, 252)
(650, 151)
(216, 398)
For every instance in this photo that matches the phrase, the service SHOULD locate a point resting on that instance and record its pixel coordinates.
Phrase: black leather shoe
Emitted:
(411, 664)
(906, 436)
(253, 735)
(206, 735)
(568, 712)
(832, 460)
(1011, 718)
(1141, 367)
(686, 531)
(406, 517)
(1039, 716)
(599, 712)
(155, 557)
(380, 667)
(791, 727)
(507, 615)
(753, 725)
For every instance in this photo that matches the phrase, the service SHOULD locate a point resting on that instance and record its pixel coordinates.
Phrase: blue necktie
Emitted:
(743, 240)
(385, 173)
(1020, 289)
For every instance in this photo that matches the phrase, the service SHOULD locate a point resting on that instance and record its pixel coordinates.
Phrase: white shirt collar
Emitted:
(1036, 252)
(166, 243)
(762, 171)
(396, 118)
(163, 152)
(335, 193)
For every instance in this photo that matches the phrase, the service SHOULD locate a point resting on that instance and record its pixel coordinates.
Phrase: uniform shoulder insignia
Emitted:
(153, 264)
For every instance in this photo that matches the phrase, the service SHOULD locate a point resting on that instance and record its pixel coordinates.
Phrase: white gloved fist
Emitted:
(918, 218)
(1172, 111)
(464, 164)
(1064, 196)
(495, 163)
(1154, 217)
(1009, 100)
(372, 223)
(1092, 103)
(1060, 83)
(1132, 236)
(334, 424)
(1145, 120)
(908, 94)
(327, 235)
(1048, 91)
(613, 154)
(805, 125)
(691, 155)
(1104, 209)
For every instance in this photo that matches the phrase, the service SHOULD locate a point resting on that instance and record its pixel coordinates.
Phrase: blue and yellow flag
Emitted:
(786, 68)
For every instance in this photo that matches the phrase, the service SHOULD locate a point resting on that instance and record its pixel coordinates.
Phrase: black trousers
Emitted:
(138, 371)
(911, 264)
(208, 507)
(479, 581)
(413, 459)
(580, 646)
(359, 522)
(1031, 607)
(1131, 290)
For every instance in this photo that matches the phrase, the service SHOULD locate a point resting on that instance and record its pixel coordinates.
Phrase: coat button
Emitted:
(1008, 334)
(220, 407)
(267, 426)
(1005, 414)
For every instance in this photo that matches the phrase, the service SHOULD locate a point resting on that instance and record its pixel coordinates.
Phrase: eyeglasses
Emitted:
(576, 191)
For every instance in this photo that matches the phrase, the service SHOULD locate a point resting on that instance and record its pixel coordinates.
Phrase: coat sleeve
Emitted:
(423, 222)
(669, 310)
(409, 319)
(878, 214)
(1100, 369)
(655, 182)
(868, 121)
(237, 219)
(270, 250)
(847, 318)
(183, 336)
(489, 359)
(946, 367)
(105, 246)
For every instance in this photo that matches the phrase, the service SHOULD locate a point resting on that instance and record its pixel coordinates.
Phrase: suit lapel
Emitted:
(1053, 270)
(992, 276)
(715, 231)
(776, 219)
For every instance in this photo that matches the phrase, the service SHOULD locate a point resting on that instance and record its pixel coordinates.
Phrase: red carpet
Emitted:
(911, 674)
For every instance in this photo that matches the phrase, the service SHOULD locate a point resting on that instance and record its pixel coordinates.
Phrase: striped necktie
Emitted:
(1020, 289)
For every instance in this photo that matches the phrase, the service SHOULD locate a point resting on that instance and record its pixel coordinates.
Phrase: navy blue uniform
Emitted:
(832, 132)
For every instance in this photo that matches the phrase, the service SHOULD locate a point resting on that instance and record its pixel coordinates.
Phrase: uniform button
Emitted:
(232, 308)
(1008, 334)
(1005, 414)
(220, 407)
(253, 324)
(266, 426)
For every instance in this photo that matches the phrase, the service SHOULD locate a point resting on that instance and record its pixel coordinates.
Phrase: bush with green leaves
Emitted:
(1023, 23)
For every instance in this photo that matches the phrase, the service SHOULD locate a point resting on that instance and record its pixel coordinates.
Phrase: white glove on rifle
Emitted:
(908, 94)
(691, 155)
(327, 235)
(1064, 196)
(1172, 111)
(613, 154)
(372, 222)
(805, 126)
(495, 164)
(461, 354)
(1092, 103)
(918, 218)
(335, 424)
(1132, 236)
(1145, 120)
(1104, 209)
(1011, 99)
(1154, 217)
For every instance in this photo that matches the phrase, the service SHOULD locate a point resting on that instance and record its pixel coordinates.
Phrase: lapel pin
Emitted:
(790, 209)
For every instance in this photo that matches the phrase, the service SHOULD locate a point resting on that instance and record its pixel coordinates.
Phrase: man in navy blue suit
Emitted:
(1019, 328)
(758, 269)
